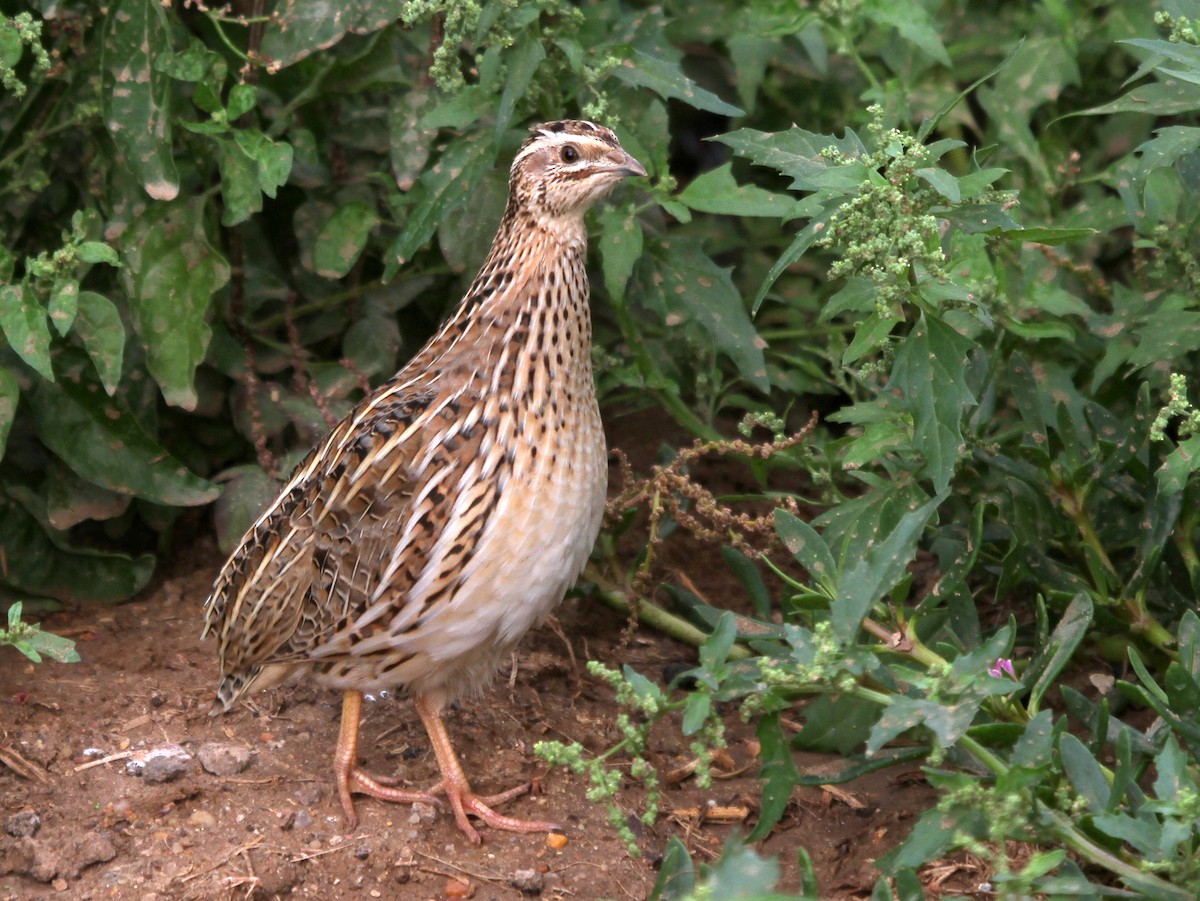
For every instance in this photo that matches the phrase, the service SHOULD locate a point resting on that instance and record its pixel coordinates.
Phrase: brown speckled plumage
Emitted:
(451, 510)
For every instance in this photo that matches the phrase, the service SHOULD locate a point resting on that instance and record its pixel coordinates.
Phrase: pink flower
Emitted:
(1003, 667)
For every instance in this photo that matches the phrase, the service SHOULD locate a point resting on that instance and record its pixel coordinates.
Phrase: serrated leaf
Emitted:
(136, 98)
(98, 325)
(948, 722)
(666, 78)
(797, 153)
(1085, 773)
(1160, 98)
(687, 281)
(24, 324)
(778, 776)
(866, 581)
(717, 192)
(170, 276)
(10, 393)
(100, 439)
(343, 238)
(449, 179)
(930, 373)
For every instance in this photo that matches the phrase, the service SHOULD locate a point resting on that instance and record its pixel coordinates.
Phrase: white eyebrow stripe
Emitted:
(557, 138)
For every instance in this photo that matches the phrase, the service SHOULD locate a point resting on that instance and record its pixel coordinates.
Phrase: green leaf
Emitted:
(808, 547)
(797, 153)
(930, 374)
(239, 184)
(64, 303)
(666, 78)
(695, 712)
(914, 25)
(272, 159)
(1038, 74)
(1060, 650)
(71, 500)
(96, 252)
(715, 650)
(868, 579)
(136, 97)
(778, 776)
(170, 276)
(342, 239)
(522, 61)
(949, 722)
(837, 725)
(23, 321)
(98, 324)
(409, 142)
(10, 393)
(300, 28)
(717, 192)
(1160, 98)
(750, 578)
(242, 99)
(690, 283)
(620, 247)
(1086, 775)
(445, 183)
(44, 564)
(53, 646)
(100, 440)
(741, 874)
(676, 874)
(247, 492)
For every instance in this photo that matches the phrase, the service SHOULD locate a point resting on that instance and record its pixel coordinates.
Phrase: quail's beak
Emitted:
(625, 165)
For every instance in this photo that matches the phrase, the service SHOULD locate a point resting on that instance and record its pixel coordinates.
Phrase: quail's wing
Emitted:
(272, 600)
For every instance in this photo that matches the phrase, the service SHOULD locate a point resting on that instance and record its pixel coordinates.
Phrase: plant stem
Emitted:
(668, 623)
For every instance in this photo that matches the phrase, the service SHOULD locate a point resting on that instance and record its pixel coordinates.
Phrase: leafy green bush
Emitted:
(964, 232)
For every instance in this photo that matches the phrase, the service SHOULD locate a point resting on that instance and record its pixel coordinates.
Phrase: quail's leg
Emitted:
(458, 790)
(350, 778)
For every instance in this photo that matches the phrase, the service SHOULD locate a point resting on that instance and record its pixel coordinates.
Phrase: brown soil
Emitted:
(276, 828)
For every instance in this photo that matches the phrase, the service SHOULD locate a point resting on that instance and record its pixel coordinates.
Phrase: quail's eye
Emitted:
(569, 153)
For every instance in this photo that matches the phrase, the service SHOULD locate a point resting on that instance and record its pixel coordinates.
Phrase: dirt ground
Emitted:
(275, 829)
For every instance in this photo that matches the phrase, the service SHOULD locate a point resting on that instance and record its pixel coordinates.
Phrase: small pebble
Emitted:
(308, 795)
(164, 768)
(223, 759)
(556, 840)
(202, 819)
(456, 889)
(529, 882)
(297, 819)
(362, 853)
(23, 824)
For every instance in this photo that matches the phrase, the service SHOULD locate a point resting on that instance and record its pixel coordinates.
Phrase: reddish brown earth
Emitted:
(276, 829)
